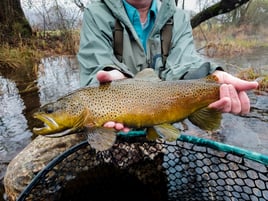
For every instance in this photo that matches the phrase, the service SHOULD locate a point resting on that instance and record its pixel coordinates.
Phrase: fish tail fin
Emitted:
(206, 119)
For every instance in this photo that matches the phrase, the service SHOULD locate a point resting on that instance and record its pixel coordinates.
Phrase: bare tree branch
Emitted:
(224, 6)
(79, 4)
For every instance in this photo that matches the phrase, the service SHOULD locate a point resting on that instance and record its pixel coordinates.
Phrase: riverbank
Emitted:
(27, 53)
(230, 41)
(225, 43)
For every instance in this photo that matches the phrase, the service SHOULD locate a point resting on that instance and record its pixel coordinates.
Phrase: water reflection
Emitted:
(56, 77)
(14, 132)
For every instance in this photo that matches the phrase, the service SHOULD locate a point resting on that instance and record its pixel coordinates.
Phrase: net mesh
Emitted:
(136, 169)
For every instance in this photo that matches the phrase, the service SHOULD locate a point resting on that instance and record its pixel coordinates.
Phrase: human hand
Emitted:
(233, 96)
(117, 126)
(107, 76)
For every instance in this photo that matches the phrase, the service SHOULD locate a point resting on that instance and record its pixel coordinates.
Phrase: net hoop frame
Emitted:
(243, 153)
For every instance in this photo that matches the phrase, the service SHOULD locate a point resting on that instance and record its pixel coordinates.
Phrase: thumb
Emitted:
(103, 76)
(239, 84)
(108, 76)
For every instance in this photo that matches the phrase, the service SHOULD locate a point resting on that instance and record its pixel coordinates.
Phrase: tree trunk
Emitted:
(13, 23)
(224, 6)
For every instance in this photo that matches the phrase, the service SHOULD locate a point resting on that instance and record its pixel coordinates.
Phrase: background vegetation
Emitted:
(52, 28)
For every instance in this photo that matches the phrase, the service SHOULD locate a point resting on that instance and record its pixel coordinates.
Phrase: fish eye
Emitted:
(49, 110)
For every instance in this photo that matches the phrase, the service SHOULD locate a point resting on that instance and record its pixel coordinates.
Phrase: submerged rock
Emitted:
(33, 158)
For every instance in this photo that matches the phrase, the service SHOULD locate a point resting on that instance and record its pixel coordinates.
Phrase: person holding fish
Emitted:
(141, 22)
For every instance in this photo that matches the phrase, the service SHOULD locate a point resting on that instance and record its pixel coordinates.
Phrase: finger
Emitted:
(109, 124)
(118, 126)
(245, 102)
(108, 76)
(103, 76)
(126, 129)
(121, 127)
(224, 103)
(242, 85)
(235, 100)
(239, 84)
(221, 105)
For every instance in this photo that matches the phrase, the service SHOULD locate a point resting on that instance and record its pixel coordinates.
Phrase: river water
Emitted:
(57, 76)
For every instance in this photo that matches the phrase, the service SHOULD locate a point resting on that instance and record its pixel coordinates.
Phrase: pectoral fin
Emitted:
(167, 131)
(206, 119)
(101, 139)
(79, 122)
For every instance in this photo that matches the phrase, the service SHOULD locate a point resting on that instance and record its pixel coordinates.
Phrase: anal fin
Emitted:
(167, 131)
(152, 134)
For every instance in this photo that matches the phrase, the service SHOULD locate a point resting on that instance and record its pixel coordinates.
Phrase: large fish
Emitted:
(140, 102)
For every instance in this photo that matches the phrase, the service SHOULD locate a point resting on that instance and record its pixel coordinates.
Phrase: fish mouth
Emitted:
(51, 127)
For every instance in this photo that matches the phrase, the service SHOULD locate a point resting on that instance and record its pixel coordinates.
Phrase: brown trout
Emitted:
(140, 102)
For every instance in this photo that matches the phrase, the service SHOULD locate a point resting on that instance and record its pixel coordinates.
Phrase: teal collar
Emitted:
(133, 13)
(142, 30)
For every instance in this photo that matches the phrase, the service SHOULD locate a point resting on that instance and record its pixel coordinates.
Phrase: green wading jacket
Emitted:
(96, 44)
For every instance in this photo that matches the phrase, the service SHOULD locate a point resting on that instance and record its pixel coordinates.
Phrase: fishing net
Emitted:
(191, 168)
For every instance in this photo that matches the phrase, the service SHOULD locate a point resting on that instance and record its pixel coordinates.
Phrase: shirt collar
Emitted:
(132, 12)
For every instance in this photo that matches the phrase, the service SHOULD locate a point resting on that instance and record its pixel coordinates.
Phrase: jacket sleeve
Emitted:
(183, 61)
(96, 48)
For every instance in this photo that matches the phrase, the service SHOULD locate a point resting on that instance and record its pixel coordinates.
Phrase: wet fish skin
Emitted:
(143, 101)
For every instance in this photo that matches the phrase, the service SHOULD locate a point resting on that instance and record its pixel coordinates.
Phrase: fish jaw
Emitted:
(51, 127)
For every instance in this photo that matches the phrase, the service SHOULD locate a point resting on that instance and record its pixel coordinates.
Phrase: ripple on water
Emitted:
(14, 133)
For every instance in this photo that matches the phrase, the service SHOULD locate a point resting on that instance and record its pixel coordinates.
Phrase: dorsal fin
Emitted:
(147, 74)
